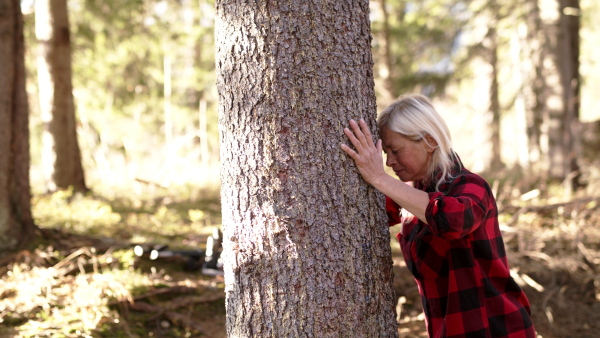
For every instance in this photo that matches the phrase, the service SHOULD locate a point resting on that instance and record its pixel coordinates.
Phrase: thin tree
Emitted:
(306, 246)
(61, 155)
(553, 114)
(386, 67)
(568, 65)
(537, 50)
(494, 108)
(16, 223)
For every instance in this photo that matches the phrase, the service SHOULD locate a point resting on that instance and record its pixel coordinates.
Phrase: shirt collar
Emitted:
(455, 171)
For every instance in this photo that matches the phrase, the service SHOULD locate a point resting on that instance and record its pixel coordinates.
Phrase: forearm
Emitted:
(413, 200)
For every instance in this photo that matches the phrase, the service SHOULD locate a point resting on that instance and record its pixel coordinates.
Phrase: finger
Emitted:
(379, 146)
(367, 132)
(349, 151)
(355, 142)
(358, 132)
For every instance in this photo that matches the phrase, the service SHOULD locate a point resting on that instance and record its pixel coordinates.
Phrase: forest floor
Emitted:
(82, 278)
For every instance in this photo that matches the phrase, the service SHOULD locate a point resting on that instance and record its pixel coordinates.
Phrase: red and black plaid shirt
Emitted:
(459, 262)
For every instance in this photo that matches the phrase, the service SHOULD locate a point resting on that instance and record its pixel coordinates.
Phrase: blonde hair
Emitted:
(413, 116)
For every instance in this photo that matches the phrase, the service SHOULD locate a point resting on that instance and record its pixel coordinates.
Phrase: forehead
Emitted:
(392, 139)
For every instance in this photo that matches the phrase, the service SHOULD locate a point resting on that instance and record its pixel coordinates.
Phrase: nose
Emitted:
(389, 160)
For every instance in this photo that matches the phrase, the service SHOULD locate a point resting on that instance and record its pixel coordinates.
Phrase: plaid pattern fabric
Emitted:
(459, 263)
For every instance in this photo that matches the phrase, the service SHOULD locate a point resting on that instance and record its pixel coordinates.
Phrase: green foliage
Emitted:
(423, 39)
(119, 52)
(74, 213)
(157, 219)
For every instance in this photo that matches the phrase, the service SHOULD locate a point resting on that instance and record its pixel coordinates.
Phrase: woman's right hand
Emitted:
(367, 155)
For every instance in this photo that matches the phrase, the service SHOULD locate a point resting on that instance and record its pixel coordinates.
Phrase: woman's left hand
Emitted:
(367, 156)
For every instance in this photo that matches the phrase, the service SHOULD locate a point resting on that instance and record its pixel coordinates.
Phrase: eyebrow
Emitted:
(390, 146)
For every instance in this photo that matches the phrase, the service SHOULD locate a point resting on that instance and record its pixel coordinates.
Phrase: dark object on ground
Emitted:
(207, 261)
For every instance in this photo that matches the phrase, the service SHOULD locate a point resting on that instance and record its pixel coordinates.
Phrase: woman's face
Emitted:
(409, 159)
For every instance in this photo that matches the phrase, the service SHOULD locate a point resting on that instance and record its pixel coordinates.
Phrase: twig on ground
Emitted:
(159, 292)
(185, 301)
(174, 317)
(547, 207)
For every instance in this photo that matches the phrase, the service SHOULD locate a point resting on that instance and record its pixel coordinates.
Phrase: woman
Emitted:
(450, 236)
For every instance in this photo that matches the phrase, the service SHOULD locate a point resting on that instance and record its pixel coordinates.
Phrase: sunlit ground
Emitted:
(83, 278)
(79, 280)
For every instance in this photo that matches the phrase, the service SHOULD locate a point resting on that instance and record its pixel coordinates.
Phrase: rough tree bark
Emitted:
(61, 155)
(306, 245)
(16, 223)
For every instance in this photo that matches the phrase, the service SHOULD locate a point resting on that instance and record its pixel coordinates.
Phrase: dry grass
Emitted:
(83, 280)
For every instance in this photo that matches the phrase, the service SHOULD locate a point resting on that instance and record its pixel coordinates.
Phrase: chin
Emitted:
(404, 178)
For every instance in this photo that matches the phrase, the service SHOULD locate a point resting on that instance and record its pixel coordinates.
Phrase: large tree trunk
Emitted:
(16, 223)
(307, 249)
(61, 156)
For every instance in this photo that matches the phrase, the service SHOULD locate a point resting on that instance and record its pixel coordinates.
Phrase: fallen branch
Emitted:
(185, 301)
(587, 256)
(540, 209)
(167, 291)
(547, 207)
(159, 292)
(174, 317)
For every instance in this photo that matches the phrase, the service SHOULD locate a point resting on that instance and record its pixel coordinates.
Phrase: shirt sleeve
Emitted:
(460, 211)
(393, 211)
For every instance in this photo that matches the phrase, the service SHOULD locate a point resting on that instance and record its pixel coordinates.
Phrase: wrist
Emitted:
(379, 181)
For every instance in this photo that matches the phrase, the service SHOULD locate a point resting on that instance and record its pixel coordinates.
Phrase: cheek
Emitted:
(399, 159)
(411, 162)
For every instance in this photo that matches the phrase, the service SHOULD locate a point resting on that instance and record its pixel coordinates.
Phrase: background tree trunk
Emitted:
(544, 123)
(494, 108)
(306, 245)
(61, 155)
(536, 51)
(16, 223)
(385, 66)
(568, 59)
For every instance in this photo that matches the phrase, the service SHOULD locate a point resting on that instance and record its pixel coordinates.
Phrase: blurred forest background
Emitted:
(516, 80)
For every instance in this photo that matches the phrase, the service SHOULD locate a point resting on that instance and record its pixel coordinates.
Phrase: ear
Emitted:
(431, 143)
